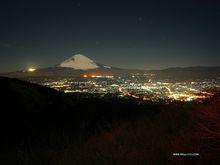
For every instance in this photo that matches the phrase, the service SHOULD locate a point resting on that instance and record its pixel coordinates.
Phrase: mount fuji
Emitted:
(75, 66)
(79, 62)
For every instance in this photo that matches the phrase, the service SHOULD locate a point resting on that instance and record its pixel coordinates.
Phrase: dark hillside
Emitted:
(42, 126)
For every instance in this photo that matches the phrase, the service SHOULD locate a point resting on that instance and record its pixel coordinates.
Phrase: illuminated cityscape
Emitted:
(138, 86)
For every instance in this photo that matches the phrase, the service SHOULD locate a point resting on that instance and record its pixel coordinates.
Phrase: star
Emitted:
(140, 19)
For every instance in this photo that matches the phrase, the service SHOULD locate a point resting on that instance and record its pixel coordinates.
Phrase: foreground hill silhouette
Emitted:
(42, 126)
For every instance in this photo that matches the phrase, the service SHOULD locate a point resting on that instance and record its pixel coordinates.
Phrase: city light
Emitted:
(31, 69)
(137, 87)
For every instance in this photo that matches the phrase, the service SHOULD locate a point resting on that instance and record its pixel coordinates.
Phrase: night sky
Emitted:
(150, 34)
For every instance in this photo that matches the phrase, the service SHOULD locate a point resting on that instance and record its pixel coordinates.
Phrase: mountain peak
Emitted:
(79, 56)
(79, 62)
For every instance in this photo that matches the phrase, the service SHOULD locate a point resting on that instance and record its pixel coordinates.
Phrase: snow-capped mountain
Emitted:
(76, 66)
(80, 65)
(79, 62)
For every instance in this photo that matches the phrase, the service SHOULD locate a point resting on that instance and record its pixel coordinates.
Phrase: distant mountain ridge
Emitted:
(78, 65)
(190, 73)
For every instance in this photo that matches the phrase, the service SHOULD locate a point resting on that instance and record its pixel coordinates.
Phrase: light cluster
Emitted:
(137, 86)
